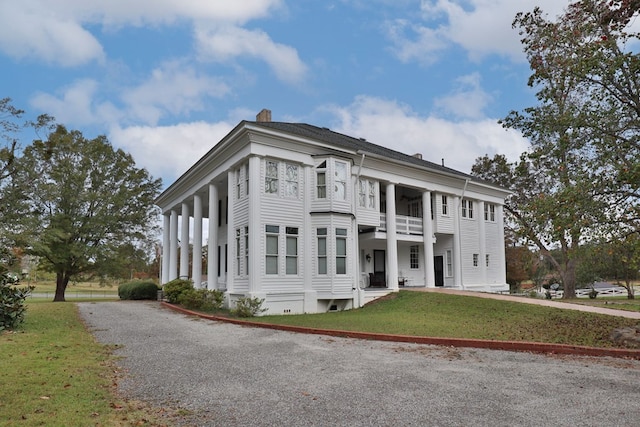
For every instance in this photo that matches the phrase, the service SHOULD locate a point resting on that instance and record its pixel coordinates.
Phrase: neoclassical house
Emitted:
(312, 220)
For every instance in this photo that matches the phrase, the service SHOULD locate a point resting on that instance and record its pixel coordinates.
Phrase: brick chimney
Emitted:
(264, 116)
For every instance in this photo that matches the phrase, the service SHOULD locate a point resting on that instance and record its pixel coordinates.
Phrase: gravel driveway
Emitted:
(229, 375)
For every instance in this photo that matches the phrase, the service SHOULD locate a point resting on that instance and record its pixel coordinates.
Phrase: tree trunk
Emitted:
(569, 279)
(62, 280)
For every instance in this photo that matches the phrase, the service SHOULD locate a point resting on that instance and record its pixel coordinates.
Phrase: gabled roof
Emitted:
(355, 144)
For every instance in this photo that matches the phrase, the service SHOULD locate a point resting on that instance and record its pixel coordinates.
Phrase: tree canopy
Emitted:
(580, 180)
(81, 202)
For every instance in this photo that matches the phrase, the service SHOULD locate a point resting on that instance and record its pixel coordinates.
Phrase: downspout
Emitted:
(464, 189)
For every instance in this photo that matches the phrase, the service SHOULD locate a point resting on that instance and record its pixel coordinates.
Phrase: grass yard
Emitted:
(616, 303)
(83, 287)
(53, 373)
(442, 315)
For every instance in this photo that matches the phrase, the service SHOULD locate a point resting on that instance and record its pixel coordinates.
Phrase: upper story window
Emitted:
(467, 208)
(340, 180)
(489, 212)
(246, 178)
(366, 194)
(271, 177)
(242, 179)
(291, 181)
(445, 206)
(321, 181)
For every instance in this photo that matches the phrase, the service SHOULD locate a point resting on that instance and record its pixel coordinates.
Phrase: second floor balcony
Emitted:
(404, 224)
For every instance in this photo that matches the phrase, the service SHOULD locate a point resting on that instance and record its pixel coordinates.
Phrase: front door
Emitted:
(379, 268)
(438, 266)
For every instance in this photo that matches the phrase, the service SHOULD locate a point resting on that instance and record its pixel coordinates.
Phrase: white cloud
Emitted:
(55, 31)
(168, 151)
(468, 100)
(173, 88)
(481, 27)
(228, 42)
(28, 31)
(396, 126)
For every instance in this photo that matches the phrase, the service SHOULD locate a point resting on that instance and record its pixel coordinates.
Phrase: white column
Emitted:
(231, 234)
(457, 244)
(482, 243)
(166, 250)
(500, 249)
(197, 241)
(427, 228)
(392, 239)
(184, 242)
(255, 231)
(173, 246)
(212, 250)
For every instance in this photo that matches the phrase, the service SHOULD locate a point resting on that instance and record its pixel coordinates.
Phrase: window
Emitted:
(246, 178)
(322, 250)
(372, 195)
(475, 260)
(219, 261)
(271, 178)
(341, 251)
(444, 205)
(321, 181)
(238, 252)
(271, 252)
(239, 183)
(362, 193)
(449, 263)
(292, 250)
(467, 208)
(489, 212)
(340, 180)
(246, 251)
(291, 181)
(226, 257)
(414, 257)
(486, 260)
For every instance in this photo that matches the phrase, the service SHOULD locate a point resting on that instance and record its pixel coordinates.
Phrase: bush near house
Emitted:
(202, 299)
(174, 288)
(138, 290)
(248, 307)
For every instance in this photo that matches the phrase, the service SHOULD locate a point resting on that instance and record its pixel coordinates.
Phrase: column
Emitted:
(500, 248)
(392, 239)
(184, 242)
(173, 249)
(166, 250)
(197, 242)
(482, 243)
(427, 229)
(231, 233)
(212, 250)
(255, 231)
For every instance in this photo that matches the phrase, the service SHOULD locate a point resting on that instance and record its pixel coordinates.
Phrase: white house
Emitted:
(312, 220)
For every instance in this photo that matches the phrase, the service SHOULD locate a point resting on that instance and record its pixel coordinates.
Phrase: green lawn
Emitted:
(53, 373)
(442, 315)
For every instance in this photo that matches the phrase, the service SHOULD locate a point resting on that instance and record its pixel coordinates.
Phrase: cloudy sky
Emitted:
(166, 79)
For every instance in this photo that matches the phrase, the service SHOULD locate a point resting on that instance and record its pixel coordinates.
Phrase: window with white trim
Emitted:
(489, 212)
(475, 260)
(372, 195)
(467, 208)
(292, 250)
(321, 180)
(486, 260)
(271, 249)
(341, 251)
(246, 250)
(322, 250)
(291, 181)
(449, 260)
(340, 180)
(414, 257)
(445, 206)
(246, 178)
(239, 183)
(271, 177)
(362, 193)
(238, 252)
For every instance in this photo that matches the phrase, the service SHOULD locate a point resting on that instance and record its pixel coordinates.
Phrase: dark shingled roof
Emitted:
(354, 144)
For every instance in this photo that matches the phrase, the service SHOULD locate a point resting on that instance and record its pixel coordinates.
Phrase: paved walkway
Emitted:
(536, 301)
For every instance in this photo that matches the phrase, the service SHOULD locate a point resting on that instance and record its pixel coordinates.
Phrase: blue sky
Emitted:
(167, 79)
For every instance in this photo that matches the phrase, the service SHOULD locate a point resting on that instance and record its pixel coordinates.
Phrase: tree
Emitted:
(581, 178)
(83, 201)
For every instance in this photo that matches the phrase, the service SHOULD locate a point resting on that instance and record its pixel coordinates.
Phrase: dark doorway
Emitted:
(438, 266)
(378, 277)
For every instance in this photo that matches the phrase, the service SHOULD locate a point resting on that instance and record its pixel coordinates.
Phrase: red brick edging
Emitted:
(524, 346)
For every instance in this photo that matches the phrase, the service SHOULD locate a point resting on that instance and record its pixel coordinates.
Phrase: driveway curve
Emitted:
(230, 375)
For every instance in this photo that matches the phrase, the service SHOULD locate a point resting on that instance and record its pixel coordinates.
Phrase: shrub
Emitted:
(12, 306)
(202, 299)
(138, 290)
(248, 307)
(174, 288)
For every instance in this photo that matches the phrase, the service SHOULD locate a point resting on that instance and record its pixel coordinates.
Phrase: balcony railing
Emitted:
(404, 224)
